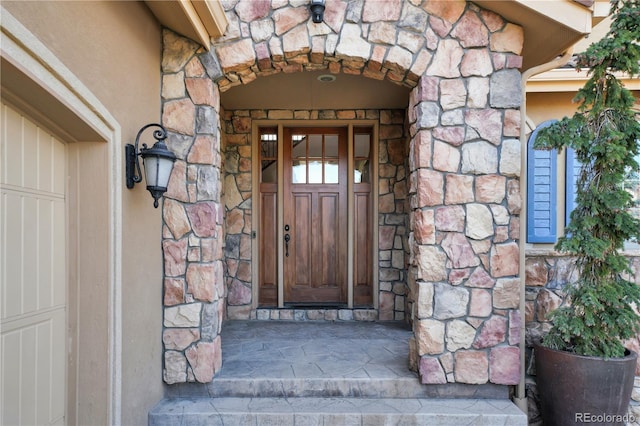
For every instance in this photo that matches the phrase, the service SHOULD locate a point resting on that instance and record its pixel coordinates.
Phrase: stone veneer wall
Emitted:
(547, 274)
(464, 167)
(193, 234)
(391, 211)
(465, 204)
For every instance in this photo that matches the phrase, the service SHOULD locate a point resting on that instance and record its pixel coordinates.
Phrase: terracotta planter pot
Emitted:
(576, 389)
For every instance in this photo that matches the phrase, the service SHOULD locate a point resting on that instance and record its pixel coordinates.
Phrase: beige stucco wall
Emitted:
(114, 50)
(547, 106)
(544, 106)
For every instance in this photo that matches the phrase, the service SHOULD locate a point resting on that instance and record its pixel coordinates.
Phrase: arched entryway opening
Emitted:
(319, 157)
(461, 122)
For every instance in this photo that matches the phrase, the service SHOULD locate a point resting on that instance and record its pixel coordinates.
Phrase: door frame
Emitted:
(256, 214)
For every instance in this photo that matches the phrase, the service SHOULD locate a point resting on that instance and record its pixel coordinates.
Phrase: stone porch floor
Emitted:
(325, 372)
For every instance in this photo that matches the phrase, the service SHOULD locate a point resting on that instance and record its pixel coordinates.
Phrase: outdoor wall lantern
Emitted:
(317, 10)
(158, 162)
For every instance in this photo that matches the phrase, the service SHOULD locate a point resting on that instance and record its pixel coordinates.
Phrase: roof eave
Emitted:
(550, 28)
(199, 20)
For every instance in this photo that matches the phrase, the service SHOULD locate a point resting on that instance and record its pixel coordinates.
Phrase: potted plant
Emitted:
(585, 344)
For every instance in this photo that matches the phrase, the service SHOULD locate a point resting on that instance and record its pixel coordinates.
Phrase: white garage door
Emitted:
(32, 273)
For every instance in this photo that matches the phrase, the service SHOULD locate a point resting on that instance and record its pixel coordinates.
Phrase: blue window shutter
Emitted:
(571, 179)
(541, 191)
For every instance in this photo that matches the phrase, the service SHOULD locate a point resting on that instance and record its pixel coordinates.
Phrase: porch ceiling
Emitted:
(304, 91)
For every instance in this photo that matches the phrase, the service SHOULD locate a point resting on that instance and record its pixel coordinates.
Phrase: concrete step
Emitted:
(332, 374)
(312, 411)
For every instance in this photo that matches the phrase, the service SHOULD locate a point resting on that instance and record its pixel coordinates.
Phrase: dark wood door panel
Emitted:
(268, 291)
(316, 212)
(301, 245)
(328, 241)
(362, 250)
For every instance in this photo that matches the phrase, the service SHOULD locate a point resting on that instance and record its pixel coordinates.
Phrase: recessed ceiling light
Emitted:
(326, 78)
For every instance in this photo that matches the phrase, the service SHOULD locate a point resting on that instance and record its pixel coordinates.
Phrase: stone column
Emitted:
(465, 165)
(192, 235)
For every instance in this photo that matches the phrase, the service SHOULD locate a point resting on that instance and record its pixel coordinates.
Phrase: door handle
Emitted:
(287, 237)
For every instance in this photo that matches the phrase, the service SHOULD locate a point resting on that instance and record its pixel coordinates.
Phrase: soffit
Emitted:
(550, 27)
(199, 20)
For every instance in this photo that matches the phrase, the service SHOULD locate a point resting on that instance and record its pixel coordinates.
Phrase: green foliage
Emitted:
(604, 132)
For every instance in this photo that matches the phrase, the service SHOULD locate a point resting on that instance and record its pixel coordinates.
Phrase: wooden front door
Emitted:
(315, 216)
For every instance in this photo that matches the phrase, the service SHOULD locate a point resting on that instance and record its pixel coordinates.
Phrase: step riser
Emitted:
(313, 419)
(335, 411)
(332, 388)
(367, 388)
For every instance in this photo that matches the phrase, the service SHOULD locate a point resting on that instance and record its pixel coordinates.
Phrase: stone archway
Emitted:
(464, 162)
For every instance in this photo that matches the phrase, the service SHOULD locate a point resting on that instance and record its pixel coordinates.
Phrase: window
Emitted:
(543, 210)
(541, 191)
(269, 155)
